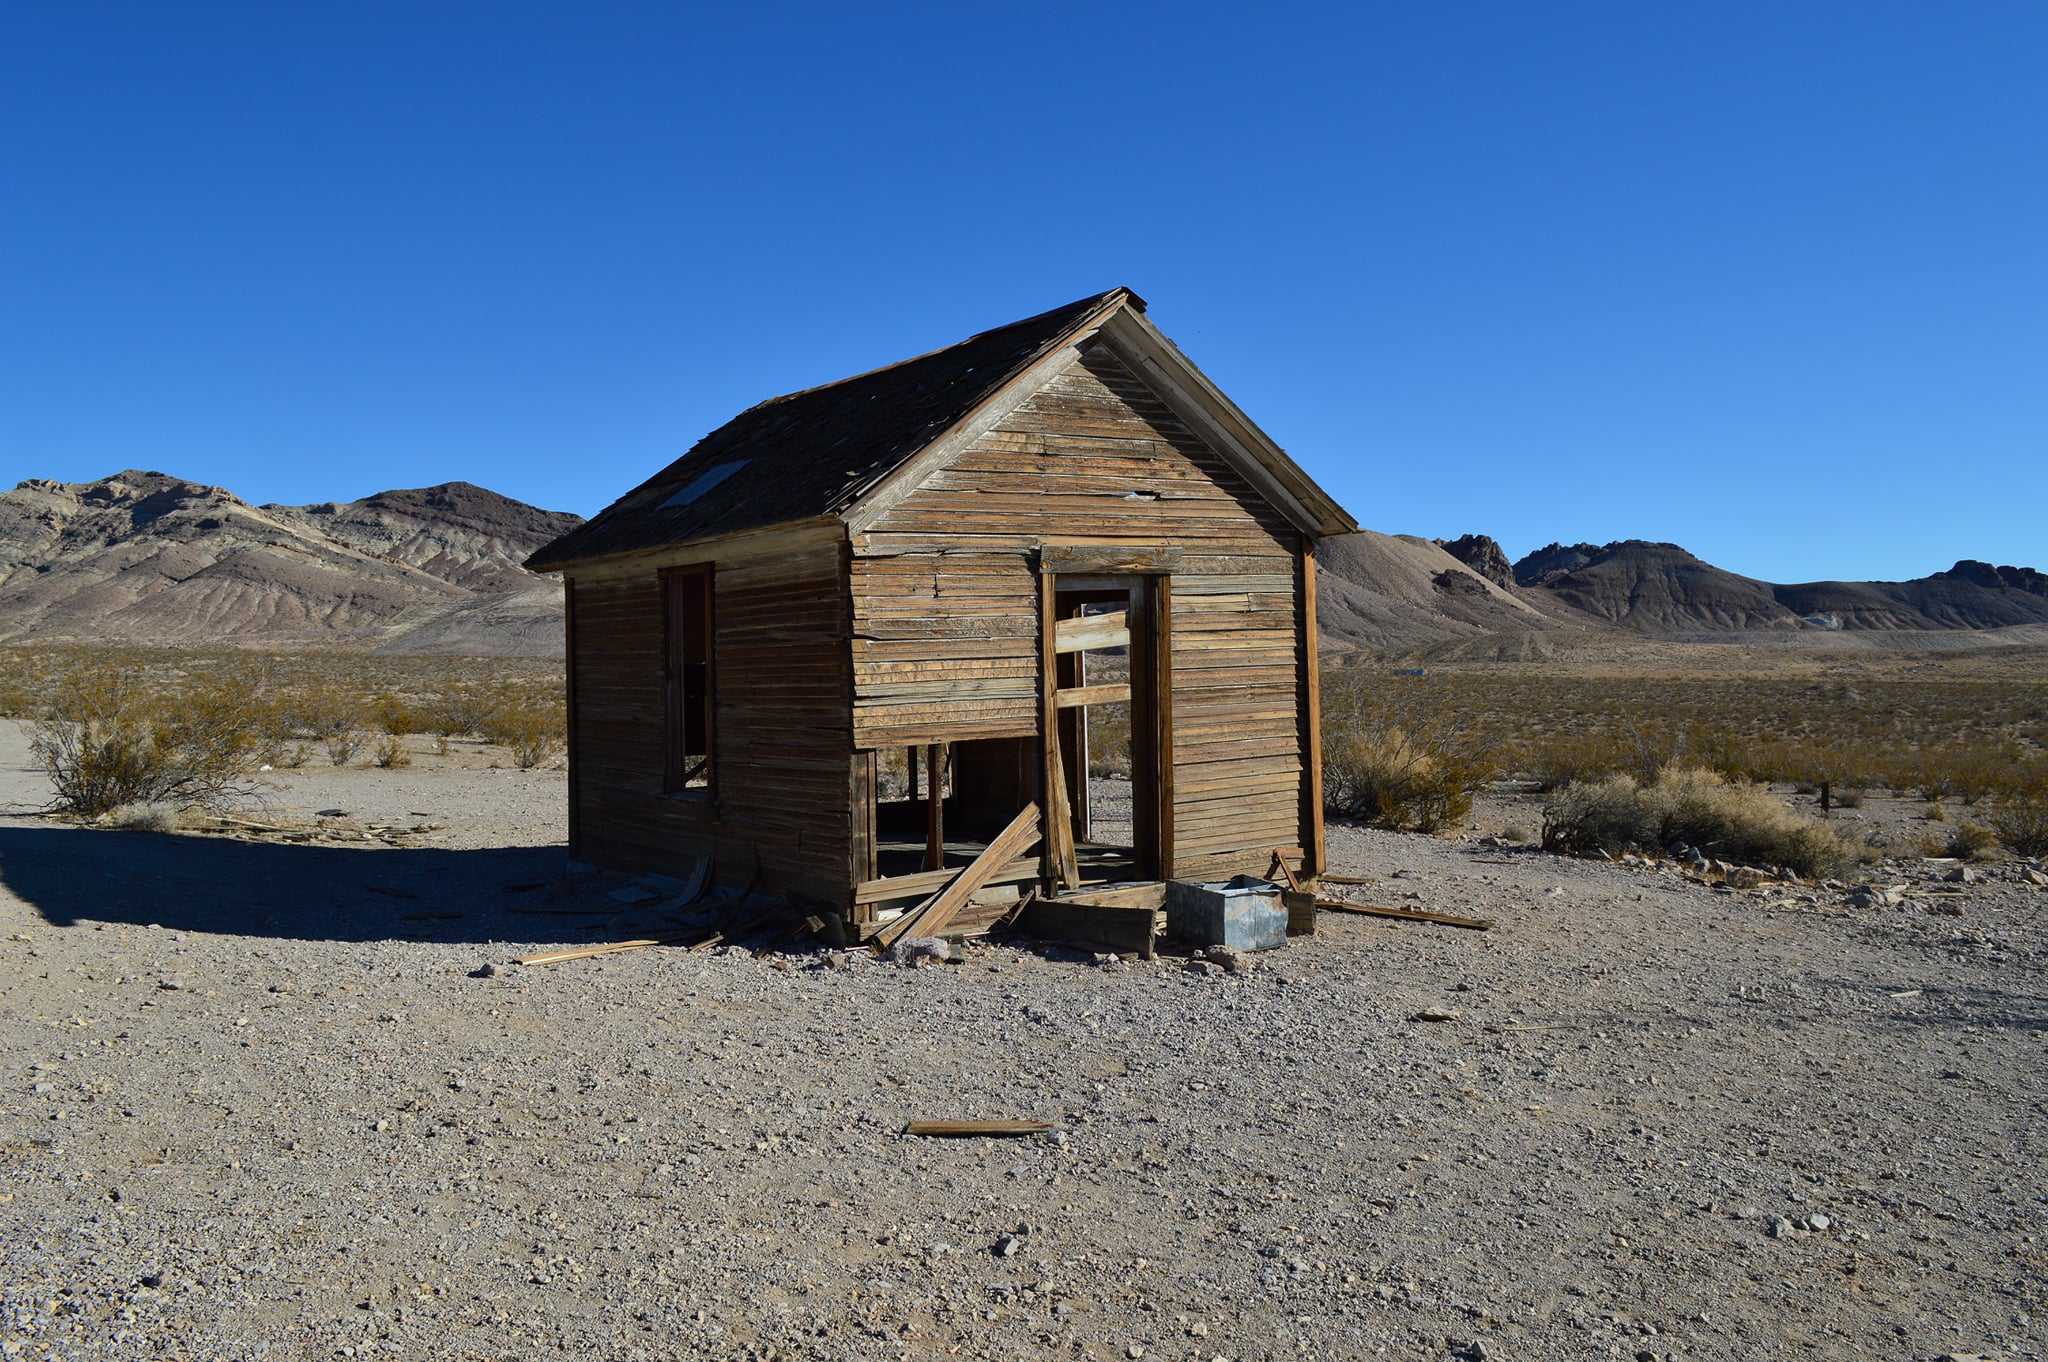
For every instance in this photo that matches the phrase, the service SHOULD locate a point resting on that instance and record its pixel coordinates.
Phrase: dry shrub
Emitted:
(144, 818)
(1396, 753)
(460, 709)
(390, 752)
(1734, 822)
(1968, 841)
(398, 716)
(108, 736)
(1109, 740)
(1400, 779)
(533, 727)
(2020, 822)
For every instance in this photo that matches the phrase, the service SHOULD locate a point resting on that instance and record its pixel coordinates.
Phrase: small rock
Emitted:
(1745, 1212)
(1434, 1014)
(1941, 908)
(1198, 1330)
(838, 960)
(170, 985)
(1235, 962)
(1779, 1228)
(1745, 877)
(915, 950)
(489, 969)
(1007, 1246)
(1204, 967)
(1962, 874)
(1818, 1222)
(2034, 877)
(1110, 962)
(1136, 1350)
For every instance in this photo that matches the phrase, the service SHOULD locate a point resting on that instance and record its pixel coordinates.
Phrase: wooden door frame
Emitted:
(1151, 674)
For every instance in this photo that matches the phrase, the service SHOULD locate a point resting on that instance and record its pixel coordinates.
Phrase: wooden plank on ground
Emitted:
(960, 1129)
(1301, 912)
(931, 918)
(1478, 924)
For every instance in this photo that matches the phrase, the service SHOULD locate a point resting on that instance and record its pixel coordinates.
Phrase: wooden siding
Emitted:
(782, 726)
(946, 633)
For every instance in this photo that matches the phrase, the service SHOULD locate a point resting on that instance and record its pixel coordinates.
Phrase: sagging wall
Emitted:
(946, 634)
(781, 720)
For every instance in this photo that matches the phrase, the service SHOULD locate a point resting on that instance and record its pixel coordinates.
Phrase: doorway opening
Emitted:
(1104, 753)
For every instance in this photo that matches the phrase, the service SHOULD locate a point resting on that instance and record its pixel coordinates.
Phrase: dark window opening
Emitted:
(687, 731)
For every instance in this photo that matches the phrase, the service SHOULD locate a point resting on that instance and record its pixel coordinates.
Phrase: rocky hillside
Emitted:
(1660, 589)
(145, 557)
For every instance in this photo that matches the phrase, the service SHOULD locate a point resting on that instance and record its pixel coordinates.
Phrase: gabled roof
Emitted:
(825, 450)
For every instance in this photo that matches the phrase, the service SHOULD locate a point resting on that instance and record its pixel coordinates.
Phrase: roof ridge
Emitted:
(1094, 302)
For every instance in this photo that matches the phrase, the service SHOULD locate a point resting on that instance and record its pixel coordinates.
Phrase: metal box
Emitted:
(1244, 914)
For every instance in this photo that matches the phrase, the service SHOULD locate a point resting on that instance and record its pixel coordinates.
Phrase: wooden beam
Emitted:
(1107, 558)
(1312, 718)
(1092, 631)
(924, 882)
(1478, 924)
(937, 911)
(1076, 696)
(935, 807)
(959, 1129)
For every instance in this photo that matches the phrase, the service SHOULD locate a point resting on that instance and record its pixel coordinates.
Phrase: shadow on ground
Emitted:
(304, 892)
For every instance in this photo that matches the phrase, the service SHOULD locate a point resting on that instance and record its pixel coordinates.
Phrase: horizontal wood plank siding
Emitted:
(945, 610)
(782, 727)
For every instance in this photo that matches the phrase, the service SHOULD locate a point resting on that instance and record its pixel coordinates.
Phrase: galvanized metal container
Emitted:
(1244, 914)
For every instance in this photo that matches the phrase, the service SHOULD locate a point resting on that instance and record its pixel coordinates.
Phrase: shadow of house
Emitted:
(72, 876)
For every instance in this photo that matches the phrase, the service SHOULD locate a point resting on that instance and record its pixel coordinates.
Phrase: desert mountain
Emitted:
(144, 557)
(1401, 594)
(1661, 590)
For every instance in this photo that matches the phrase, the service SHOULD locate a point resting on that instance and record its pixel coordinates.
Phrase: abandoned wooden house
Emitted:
(859, 636)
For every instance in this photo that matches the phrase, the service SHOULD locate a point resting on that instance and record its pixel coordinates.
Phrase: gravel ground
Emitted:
(260, 1104)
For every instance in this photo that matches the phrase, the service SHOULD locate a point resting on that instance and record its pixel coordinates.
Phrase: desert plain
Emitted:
(263, 1100)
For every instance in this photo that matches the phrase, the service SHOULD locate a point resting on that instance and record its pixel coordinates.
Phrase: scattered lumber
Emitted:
(924, 882)
(1280, 863)
(1346, 879)
(1477, 924)
(959, 1129)
(930, 917)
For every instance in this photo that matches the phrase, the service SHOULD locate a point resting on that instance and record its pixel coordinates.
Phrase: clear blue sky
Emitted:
(1767, 280)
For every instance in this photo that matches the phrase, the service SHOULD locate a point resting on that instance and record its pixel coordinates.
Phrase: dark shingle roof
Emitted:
(815, 452)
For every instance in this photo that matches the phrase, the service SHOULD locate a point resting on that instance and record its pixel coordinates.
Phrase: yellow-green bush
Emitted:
(108, 737)
(1732, 822)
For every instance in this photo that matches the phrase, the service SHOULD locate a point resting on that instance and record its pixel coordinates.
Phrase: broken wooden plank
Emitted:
(1111, 927)
(1092, 631)
(1347, 879)
(1478, 924)
(608, 948)
(1074, 697)
(1280, 862)
(1059, 838)
(931, 917)
(924, 882)
(1148, 895)
(959, 1129)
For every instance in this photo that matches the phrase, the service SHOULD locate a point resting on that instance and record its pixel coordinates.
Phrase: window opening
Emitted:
(686, 602)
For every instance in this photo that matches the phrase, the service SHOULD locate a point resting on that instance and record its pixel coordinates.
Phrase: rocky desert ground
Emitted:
(262, 1101)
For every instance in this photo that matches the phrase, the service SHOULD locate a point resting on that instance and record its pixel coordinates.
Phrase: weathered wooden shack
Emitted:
(857, 629)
